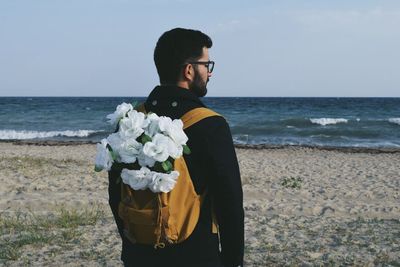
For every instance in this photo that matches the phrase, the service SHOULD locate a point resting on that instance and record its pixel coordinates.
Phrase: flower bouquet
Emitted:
(144, 147)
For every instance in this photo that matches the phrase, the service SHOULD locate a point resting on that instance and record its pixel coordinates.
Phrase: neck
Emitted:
(183, 84)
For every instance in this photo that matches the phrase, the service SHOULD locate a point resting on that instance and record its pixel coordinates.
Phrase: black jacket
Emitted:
(213, 166)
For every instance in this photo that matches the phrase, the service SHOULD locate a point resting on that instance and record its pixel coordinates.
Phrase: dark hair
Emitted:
(174, 48)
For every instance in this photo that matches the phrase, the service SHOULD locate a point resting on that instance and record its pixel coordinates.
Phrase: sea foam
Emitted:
(395, 120)
(326, 121)
(12, 134)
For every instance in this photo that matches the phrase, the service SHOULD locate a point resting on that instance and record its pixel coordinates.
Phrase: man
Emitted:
(184, 67)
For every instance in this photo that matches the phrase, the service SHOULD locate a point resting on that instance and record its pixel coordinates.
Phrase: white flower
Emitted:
(165, 123)
(132, 126)
(137, 179)
(126, 150)
(129, 150)
(177, 134)
(103, 160)
(153, 126)
(163, 182)
(145, 160)
(167, 138)
(174, 150)
(174, 129)
(157, 148)
(115, 141)
(119, 113)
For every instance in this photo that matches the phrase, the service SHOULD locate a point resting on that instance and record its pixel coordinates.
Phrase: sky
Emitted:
(282, 48)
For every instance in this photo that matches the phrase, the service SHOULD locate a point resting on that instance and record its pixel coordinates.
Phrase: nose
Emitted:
(209, 74)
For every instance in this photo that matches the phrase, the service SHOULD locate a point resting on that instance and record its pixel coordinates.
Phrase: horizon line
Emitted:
(63, 96)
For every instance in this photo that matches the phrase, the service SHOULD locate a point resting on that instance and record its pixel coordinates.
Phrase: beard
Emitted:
(198, 86)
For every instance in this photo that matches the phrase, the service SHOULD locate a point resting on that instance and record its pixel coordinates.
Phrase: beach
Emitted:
(303, 206)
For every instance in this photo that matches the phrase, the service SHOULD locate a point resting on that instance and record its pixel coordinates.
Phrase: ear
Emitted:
(188, 73)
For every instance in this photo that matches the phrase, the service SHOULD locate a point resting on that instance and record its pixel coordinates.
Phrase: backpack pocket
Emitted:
(140, 224)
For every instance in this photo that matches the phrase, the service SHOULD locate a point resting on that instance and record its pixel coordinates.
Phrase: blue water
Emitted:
(350, 122)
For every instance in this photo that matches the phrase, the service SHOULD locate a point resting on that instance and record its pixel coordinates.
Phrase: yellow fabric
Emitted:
(141, 108)
(196, 115)
(164, 218)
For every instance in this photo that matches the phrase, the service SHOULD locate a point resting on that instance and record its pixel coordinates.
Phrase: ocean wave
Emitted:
(294, 122)
(20, 135)
(326, 121)
(241, 139)
(394, 120)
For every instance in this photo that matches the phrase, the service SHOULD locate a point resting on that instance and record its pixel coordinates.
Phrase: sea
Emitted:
(326, 122)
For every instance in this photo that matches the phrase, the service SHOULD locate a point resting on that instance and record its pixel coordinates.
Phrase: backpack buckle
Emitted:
(159, 245)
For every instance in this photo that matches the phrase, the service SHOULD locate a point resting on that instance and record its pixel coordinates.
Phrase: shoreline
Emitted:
(370, 150)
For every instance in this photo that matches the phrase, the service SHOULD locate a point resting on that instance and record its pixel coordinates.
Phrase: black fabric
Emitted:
(213, 166)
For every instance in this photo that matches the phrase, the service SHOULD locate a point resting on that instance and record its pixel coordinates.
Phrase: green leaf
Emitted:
(164, 166)
(113, 155)
(97, 169)
(167, 166)
(145, 138)
(186, 150)
(171, 167)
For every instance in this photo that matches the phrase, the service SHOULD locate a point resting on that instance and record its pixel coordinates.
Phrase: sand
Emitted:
(303, 206)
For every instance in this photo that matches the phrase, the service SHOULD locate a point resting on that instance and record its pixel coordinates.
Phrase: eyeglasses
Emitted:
(208, 64)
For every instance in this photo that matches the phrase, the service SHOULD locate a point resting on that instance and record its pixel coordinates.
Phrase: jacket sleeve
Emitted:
(226, 189)
(114, 197)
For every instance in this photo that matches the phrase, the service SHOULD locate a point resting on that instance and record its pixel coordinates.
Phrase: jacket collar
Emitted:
(172, 91)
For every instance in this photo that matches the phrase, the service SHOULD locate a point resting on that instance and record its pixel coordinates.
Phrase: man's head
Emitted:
(181, 57)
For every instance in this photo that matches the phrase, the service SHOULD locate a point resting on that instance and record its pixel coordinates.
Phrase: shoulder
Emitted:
(170, 107)
(209, 125)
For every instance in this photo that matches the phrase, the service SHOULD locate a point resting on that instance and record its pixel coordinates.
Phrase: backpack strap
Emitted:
(192, 117)
(195, 115)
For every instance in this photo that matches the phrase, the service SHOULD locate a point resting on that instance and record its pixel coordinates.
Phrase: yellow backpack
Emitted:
(162, 219)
